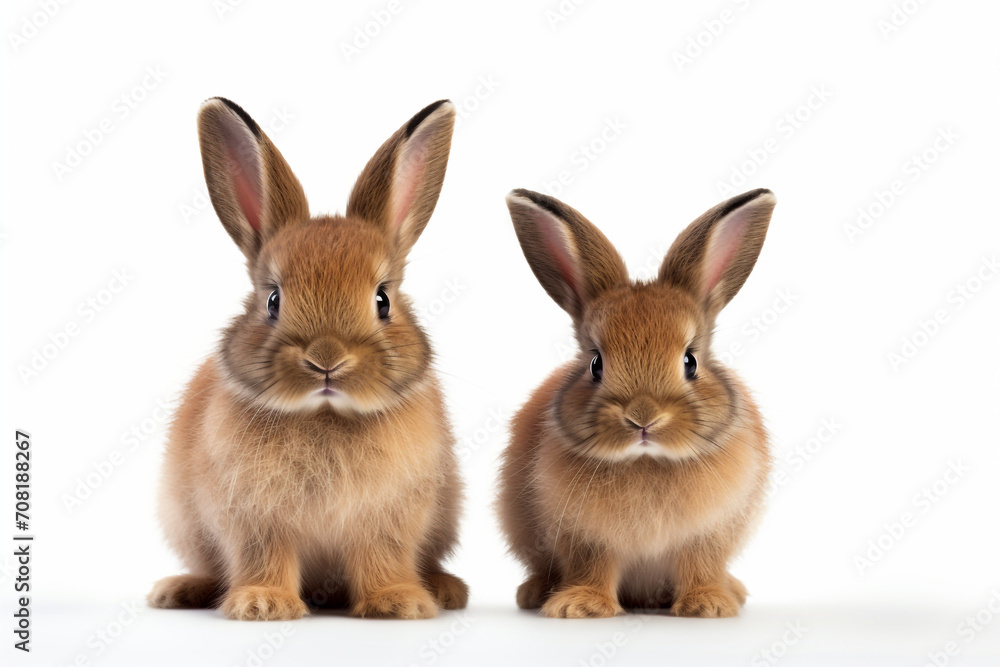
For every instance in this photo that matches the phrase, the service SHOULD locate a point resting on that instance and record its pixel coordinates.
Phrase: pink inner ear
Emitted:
(244, 170)
(409, 173)
(558, 249)
(247, 196)
(723, 246)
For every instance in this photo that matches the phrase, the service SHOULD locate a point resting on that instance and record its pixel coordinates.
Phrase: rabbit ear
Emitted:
(252, 188)
(714, 256)
(571, 258)
(399, 187)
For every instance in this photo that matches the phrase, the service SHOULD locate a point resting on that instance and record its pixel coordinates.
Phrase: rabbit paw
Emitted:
(707, 602)
(185, 591)
(581, 602)
(533, 593)
(398, 601)
(262, 603)
(737, 588)
(449, 591)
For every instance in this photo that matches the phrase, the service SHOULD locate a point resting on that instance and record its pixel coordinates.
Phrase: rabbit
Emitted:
(636, 471)
(310, 462)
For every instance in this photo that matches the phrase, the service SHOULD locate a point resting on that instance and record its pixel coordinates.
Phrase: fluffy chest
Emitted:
(643, 506)
(317, 470)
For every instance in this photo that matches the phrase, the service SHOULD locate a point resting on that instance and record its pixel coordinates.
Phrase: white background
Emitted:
(833, 106)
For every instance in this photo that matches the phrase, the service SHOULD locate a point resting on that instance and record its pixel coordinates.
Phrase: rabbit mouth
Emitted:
(329, 388)
(644, 447)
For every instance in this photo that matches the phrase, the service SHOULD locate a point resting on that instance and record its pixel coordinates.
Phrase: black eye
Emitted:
(690, 365)
(382, 304)
(273, 302)
(597, 367)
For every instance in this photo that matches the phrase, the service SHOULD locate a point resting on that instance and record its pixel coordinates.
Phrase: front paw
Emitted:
(707, 602)
(449, 591)
(737, 588)
(261, 603)
(581, 602)
(185, 591)
(533, 593)
(398, 601)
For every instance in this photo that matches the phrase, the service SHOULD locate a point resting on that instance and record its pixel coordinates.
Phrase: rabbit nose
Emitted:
(642, 427)
(324, 356)
(643, 414)
(319, 369)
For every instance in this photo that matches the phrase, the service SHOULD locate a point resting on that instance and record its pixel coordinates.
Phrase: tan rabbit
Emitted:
(311, 459)
(636, 471)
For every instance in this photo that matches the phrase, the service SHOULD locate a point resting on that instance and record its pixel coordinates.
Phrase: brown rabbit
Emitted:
(311, 456)
(636, 471)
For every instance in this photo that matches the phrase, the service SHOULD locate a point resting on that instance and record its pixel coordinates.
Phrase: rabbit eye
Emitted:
(597, 367)
(273, 302)
(382, 304)
(690, 365)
